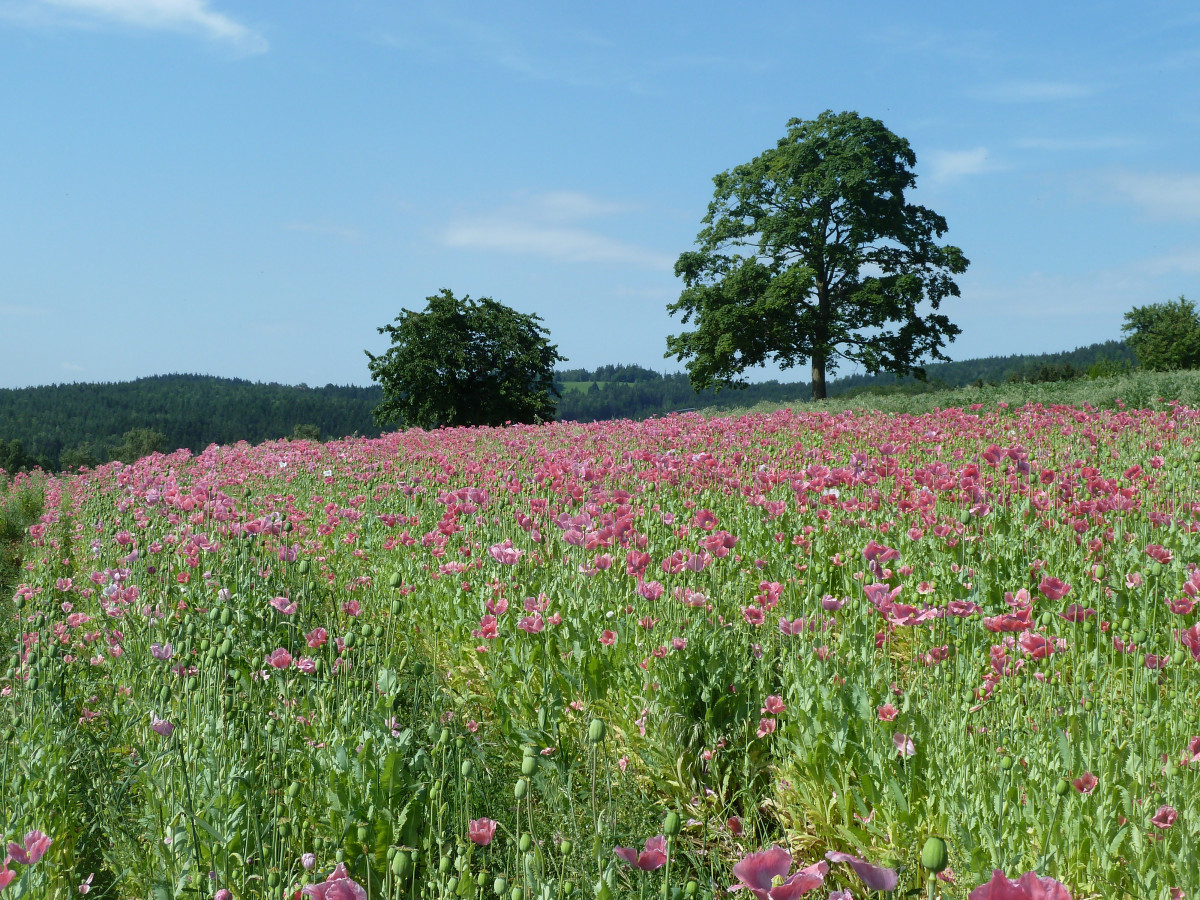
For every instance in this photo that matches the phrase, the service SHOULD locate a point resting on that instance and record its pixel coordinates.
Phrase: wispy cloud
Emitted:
(549, 225)
(1163, 196)
(341, 232)
(1032, 92)
(950, 165)
(1073, 145)
(187, 16)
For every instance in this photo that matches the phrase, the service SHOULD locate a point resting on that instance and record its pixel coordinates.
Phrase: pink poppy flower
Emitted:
(735, 825)
(162, 726)
(6, 874)
(608, 638)
(765, 727)
(1021, 620)
(876, 878)
(285, 606)
(1164, 818)
(1192, 753)
(532, 624)
(338, 886)
(653, 857)
(1183, 606)
(754, 615)
(161, 651)
(36, 845)
(887, 712)
(904, 744)
(1085, 783)
(830, 603)
(306, 664)
(1077, 613)
(758, 872)
(279, 658)
(1053, 588)
(1028, 887)
(481, 831)
(506, 554)
(774, 705)
(317, 637)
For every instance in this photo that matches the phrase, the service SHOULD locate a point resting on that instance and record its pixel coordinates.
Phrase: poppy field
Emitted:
(820, 654)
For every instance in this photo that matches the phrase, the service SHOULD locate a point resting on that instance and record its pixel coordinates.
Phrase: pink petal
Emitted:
(757, 869)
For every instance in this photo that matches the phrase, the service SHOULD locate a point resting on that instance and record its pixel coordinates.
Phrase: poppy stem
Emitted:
(187, 790)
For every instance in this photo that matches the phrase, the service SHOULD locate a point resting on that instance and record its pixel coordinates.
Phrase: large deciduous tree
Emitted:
(1164, 336)
(465, 362)
(811, 251)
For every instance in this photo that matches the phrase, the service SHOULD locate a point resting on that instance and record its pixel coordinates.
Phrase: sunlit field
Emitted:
(618, 660)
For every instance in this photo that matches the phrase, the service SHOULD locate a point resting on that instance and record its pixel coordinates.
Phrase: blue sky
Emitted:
(250, 189)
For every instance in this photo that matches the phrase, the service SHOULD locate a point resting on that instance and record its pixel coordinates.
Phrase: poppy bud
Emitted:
(671, 825)
(500, 885)
(305, 565)
(1063, 787)
(565, 848)
(395, 581)
(466, 768)
(596, 731)
(400, 864)
(528, 765)
(520, 788)
(526, 842)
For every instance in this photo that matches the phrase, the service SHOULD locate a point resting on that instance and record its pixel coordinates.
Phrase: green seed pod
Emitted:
(1063, 787)
(452, 884)
(444, 736)
(596, 731)
(273, 879)
(671, 825)
(1006, 763)
(164, 695)
(529, 765)
(395, 581)
(466, 768)
(226, 617)
(351, 639)
(293, 789)
(367, 630)
(363, 833)
(400, 863)
(1179, 657)
(568, 888)
(565, 848)
(526, 842)
(1156, 568)
(516, 894)
(395, 607)
(304, 566)
(444, 865)
(481, 880)
(690, 889)
(19, 601)
(500, 885)
(520, 788)
(965, 517)
(1099, 571)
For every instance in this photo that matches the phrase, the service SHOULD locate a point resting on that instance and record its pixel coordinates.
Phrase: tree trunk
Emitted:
(818, 376)
(819, 350)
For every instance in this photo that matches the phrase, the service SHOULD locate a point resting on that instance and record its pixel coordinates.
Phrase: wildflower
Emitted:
(162, 726)
(876, 878)
(6, 874)
(338, 886)
(317, 637)
(653, 857)
(36, 845)
(765, 727)
(1164, 818)
(162, 651)
(279, 658)
(904, 745)
(1085, 783)
(1053, 588)
(608, 638)
(1029, 887)
(774, 705)
(284, 606)
(308, 860)
(765, 875)
(481, 831)
(86, 885)
(887, 712)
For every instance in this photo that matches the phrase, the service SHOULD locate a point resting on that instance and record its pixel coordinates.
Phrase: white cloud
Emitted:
(1163, 196)
(1032, 92)
(548, 225)
(950, 165)
(190, 16)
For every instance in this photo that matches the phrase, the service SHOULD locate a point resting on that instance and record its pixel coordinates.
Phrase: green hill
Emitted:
(64, 425)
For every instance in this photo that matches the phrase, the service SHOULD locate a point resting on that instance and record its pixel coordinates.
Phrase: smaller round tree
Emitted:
(465, 362)
(1164, 336)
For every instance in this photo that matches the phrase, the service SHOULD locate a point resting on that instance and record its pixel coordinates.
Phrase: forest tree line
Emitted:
(67, 426)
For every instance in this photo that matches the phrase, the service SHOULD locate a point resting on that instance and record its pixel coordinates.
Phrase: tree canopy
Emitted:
(810, 251)
(465, 362)
(1164, 336)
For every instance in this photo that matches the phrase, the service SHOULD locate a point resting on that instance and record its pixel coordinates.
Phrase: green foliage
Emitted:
(1165, 336)
(810, 251)
(306, 433)
(465, 362)
(139, 442)
(67, 426)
